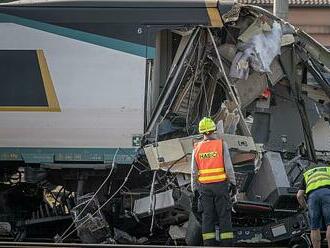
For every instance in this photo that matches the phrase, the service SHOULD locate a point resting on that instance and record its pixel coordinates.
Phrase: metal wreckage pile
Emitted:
(268, 84)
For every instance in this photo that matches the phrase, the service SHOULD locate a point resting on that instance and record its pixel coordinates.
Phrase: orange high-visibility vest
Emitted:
(210, 162)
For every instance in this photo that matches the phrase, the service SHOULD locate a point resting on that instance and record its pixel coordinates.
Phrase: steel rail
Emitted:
(76, 245)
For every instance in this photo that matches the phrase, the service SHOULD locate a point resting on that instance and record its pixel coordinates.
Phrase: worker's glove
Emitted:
(232, 190)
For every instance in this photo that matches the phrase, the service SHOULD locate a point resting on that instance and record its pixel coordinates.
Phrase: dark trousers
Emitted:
(216, 209)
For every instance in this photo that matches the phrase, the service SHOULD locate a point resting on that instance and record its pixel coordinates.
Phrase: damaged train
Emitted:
(99, 109)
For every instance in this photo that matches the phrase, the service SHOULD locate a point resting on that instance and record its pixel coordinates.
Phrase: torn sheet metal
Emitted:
(314, 48)
(241, 158)
(260, 25)
(276, 73)
(267, 45)
(240, 67)
(228, 51)
(316, 93)
(250, 89)
(183, 179)
(178, 232)
(263, 104)
(227, 118)
(165, 153)
(232, 15)
(321, 135)
(287, 39)
(237, 142)
(231, 122)
(176, 153)
(124, 238)
(163, 201)
(258, 50)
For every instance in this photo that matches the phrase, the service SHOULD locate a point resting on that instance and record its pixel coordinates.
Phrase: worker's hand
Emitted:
(232, 190)
(301, 199)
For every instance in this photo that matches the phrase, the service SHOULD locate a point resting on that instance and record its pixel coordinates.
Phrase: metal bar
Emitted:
(167, 90)
(46, 219)
(296, 89)
(75, 166)
(242, 122)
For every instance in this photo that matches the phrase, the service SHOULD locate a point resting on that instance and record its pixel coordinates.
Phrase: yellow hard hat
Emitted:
(206, 125)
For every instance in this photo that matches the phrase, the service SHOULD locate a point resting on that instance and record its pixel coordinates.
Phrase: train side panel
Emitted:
(98, 92)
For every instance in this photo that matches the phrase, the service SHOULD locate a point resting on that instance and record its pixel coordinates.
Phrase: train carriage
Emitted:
(99, 104)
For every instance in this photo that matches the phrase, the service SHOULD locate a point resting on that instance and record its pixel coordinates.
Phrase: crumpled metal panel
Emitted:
(250, 89)
(163, 201)
(176, 153)
(165, 153)
(178, 232)
(316, 93)
(233, 14)
(276, 73)
(314, 48)
(228, 51)
(321, 135)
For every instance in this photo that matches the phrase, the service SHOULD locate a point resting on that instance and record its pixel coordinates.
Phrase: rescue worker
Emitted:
(212, 174)
(316, 186)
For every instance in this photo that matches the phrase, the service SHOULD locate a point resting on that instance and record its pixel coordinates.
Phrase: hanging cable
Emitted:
(205, 95)
(192, 87)
(97, 191)
(152, 202)
(105, 203)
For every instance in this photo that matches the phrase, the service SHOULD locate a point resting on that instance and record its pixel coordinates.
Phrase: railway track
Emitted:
(76, 245)
(71, 245)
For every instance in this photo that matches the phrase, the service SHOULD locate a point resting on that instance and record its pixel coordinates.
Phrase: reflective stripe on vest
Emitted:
(210, 162)
(227, 235)
(210, 235)
(316, 178)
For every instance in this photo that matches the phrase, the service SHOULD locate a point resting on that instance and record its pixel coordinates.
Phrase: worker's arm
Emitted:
(228, 164)
(194, 173)
(301, 194)
(301, 198)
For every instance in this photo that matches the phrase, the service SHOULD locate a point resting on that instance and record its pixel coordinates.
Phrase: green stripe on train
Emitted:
(116, 44)
(53, 155)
